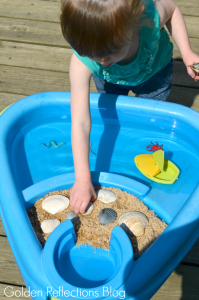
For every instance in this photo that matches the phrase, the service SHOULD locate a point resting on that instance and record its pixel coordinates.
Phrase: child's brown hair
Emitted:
(97, 28)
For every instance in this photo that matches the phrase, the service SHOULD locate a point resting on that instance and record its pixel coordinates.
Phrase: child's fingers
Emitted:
(93, 197)
(191, 72)
(80, 205)
(80, 197)
(73, 204)
(76, 208)
(73, 200)
(83, 207)
(196, 78)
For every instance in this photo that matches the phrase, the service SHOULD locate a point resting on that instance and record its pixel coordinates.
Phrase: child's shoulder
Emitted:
(165, 9)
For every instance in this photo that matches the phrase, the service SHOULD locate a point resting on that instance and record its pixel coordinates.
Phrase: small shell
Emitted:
(49, 225)
(72, 216)
(133, 222)
(195, 68)
(89, 209)
(55, 204)
(107, 215)
(106, 196)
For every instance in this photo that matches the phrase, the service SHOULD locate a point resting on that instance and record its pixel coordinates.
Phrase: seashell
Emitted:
(72, 216)
(133, 222)
(106, 196)
(195, 68)
(49, 225)
(107, 216)
(55, 204)
(89, 209)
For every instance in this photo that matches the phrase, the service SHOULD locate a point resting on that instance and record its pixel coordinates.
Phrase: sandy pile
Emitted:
(91, 231)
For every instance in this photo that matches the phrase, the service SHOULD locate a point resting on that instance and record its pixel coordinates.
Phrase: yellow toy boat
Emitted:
(157, 168)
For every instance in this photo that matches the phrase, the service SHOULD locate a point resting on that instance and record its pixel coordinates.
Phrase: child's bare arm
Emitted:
(171, 15)
(82, 190)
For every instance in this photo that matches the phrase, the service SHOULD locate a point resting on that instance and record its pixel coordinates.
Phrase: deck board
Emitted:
(188, 8)
(27, 81)
(58, 59)
(9, 270)
(181, 285)
(34, 57)
(41, 10)
(33, 32)
(13, 292)
(49, 34)
(2, 231)
(185, 96)
(50, 10)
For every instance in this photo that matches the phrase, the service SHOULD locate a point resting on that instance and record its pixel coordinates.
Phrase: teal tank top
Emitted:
(154, 53)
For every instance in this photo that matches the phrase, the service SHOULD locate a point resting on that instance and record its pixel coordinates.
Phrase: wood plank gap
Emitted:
(67, 46)
(13, 93)
(194, 37)
(37, 43)
(187, 15)
(178, 59)
(66, 72)
(182, 86)
(16, 292)
(34, 69)
(29, 19)
(189, 264)
(13, 284)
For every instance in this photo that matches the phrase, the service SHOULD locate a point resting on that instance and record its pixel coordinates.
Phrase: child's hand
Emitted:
(191, 58)
(81, 194)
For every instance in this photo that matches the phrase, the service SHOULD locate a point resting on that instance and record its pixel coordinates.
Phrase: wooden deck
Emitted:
(34, 58)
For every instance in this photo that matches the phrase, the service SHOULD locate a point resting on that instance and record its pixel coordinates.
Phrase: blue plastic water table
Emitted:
(122, 127)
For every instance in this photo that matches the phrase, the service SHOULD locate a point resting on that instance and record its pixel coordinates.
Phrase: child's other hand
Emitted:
(191, 58)
(81, 194)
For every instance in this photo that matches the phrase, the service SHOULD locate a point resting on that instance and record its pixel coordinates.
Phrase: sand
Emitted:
(91, 231)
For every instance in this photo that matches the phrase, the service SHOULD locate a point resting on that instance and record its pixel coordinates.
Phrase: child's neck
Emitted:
(133, 50)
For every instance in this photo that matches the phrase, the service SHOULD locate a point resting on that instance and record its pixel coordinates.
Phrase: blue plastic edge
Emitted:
(26, 247)
(61, 182)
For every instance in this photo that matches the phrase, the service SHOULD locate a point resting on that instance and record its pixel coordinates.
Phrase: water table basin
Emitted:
(122, 127)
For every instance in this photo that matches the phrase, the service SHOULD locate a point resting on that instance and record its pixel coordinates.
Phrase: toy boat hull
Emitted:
(121, 128)
(167, 176)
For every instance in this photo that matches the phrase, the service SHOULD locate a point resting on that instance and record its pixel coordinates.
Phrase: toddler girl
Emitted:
(124, 45)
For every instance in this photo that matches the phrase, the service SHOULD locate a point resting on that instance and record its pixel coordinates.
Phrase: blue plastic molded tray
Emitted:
(122, 127)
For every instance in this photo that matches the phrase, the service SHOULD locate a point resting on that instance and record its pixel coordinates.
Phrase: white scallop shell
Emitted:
(49, 225)
(89, 209)
(106, 196)
(135, 221)
(55, 204)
